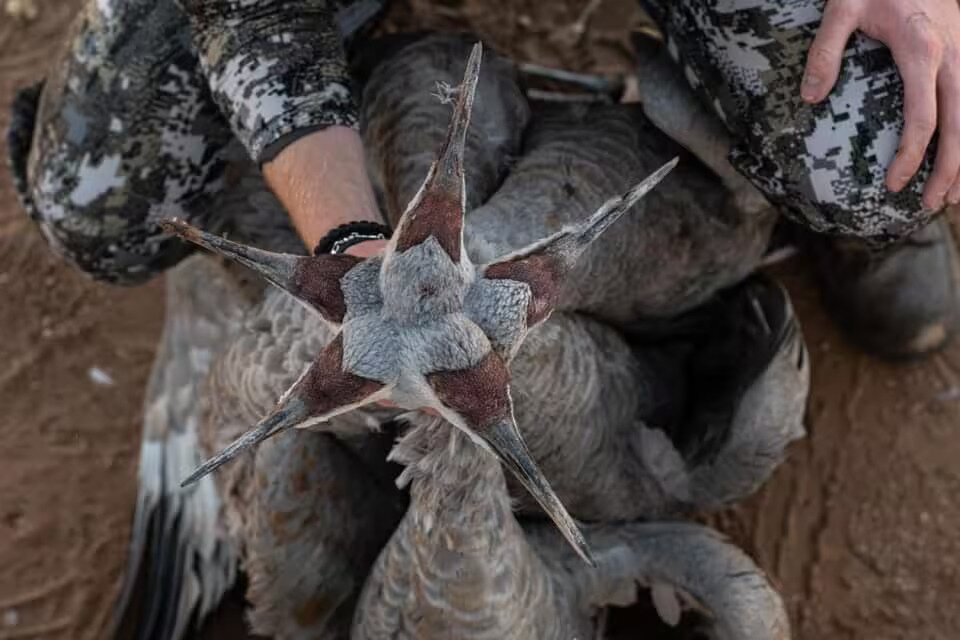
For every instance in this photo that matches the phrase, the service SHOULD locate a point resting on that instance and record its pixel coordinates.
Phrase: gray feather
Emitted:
(676, 248)
(179, 549)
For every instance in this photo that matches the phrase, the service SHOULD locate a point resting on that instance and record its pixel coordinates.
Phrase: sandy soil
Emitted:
(859, 528)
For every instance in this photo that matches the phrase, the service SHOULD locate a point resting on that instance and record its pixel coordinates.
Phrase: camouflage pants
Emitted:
(824, 164)
(127, 131)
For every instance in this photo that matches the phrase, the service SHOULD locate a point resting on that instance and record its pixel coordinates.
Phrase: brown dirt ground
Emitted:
(859, 527)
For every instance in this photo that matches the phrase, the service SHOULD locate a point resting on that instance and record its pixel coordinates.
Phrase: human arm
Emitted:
(924, 38)
(322, 181)
(278, 73)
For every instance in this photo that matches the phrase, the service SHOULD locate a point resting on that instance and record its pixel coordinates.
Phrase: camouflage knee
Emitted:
(106, 257)
(823, 164)
(123, 134)
(100, 207)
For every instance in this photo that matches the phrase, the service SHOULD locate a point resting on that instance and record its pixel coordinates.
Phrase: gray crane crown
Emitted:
(421, 325)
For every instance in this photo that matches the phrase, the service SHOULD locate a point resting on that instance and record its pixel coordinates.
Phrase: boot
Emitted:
(900, 302)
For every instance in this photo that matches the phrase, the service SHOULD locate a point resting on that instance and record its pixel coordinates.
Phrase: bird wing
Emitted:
(686, 566)
(699, 417)
(179, 555)
(748, 384)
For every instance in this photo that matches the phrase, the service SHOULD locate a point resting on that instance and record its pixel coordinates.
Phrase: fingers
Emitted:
(840, 20)
(953, 196)
(915, 36)
(917, 55)
(943, 180)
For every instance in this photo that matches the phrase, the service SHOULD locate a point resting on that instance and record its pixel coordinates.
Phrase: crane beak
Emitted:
(505, 441)
(437, 210)
(280, 420)
(314, 280)
(545, 264)
(477, 400)
(324, 390)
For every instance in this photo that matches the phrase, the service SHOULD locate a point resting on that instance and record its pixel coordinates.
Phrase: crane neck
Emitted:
(463, 539)
(455, 485)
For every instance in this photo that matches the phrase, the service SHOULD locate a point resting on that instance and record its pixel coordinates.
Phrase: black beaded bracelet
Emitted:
(347, 235)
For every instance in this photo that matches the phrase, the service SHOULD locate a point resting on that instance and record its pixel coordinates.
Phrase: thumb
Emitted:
(840, 20)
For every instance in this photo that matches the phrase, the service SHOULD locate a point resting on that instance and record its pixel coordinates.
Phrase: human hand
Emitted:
(367, 249)
(390, 404)
(924, 38)
(322, 180)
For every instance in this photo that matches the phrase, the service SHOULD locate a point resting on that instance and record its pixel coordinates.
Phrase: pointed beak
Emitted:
(438, 208)
(613, 209)
(278, 268)
(450, 161)
(506, 442)
(286, 417)
(322, 391)
(314, 280)
(545, 264)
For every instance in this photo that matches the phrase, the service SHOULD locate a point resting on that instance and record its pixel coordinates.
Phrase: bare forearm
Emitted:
(322, 181)
(277, 71)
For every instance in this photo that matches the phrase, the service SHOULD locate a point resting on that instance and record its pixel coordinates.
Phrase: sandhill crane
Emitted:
(422, 326)
(461, 566)
(283, 329)
(187, 541)
(681, 247)
(308, 514)
(687, 422)
(181, 558)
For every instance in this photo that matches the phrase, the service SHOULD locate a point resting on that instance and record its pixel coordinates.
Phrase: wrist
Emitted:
(322, 182)
(367, 248)
(347, 237)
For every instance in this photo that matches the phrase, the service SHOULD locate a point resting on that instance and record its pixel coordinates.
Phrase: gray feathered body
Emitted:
(315, 517)
(460, 565)
(679, 245)
(684, 423)
(310, 511)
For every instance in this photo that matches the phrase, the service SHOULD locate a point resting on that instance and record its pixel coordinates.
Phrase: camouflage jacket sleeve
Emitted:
(276, 68)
